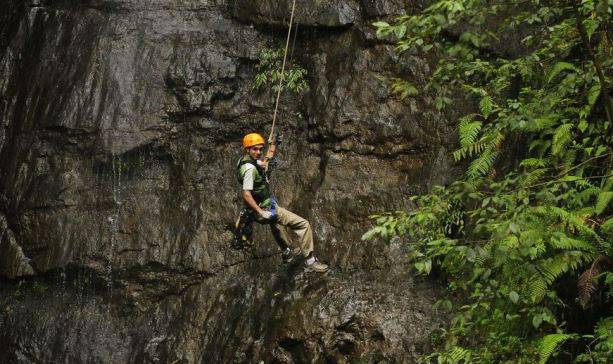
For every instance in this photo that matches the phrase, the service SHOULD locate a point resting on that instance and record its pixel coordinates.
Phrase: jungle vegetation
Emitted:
(523, 239)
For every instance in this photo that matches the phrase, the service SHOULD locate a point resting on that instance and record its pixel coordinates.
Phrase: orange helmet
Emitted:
(252, 139)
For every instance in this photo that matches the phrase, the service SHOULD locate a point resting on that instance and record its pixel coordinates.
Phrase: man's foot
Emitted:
(315, 266)
(290, 254)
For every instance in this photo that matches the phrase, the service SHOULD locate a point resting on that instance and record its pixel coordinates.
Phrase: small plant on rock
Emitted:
(269, 73)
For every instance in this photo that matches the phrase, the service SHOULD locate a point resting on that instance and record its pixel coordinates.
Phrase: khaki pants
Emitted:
(295, 223)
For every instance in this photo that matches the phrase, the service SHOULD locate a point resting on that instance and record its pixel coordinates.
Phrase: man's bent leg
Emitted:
(277, 235)
(298, 225)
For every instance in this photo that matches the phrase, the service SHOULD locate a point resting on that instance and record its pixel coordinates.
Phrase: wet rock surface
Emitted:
(120, 124)
(281, 315)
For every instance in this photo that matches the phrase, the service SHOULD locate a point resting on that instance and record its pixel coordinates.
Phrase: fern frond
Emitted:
(482, 164)
(572, 222)
(533, 163)
(458, 354)
(549, 344)
(586, 284)
(604, 199)
(486, 105)
(554, 267)
(561, 138)
(587, 194)
(607, 228)
(558, 68)
(563, 242)
(585, 184)
(470, 150)
(468, 130)
(485, 161)
(403, 88)
(604, 328)
(537, 287)
(534, 175)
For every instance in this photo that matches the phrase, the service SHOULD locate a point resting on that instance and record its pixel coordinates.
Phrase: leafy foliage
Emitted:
(269, 73)
(524, 236)
(549, 344)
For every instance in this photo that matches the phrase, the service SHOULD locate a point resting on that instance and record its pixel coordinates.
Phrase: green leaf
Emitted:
(569, 178)
(514, 296)
(558, 68)
(593, 94)
(607, 227)
(381, 24)
(604, 199)
(400, 31)
(590, 26)
(370, 234)
(537, 320)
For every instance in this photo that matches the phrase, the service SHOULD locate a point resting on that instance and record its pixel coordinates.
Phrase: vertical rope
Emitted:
(289, 33)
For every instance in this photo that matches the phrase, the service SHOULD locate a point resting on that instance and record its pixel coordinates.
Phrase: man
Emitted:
(261, 206)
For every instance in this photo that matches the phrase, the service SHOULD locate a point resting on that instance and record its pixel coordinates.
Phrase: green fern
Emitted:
(603, 201)
(535, 175)
(471, 150)
(607, 228)
(604, 329)
(550, 343)
(533, 163)
(403, 88)
(533, 225)
(537, 288)
(484, 163)
(552, 268)
(563, 242)
(458, 354)
(570, 221)
(487, 106)
(561, 138)
(558, 68)
(468, 131)
(593, 94)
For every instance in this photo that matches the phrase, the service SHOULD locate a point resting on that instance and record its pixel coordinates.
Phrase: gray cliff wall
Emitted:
(120, 124)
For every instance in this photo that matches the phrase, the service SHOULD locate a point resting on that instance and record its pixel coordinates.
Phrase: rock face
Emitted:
(120, 124)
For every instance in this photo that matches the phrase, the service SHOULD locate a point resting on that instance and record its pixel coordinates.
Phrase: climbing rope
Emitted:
(289, 33)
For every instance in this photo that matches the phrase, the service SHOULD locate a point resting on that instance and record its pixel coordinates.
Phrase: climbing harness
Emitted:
(243, 233)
